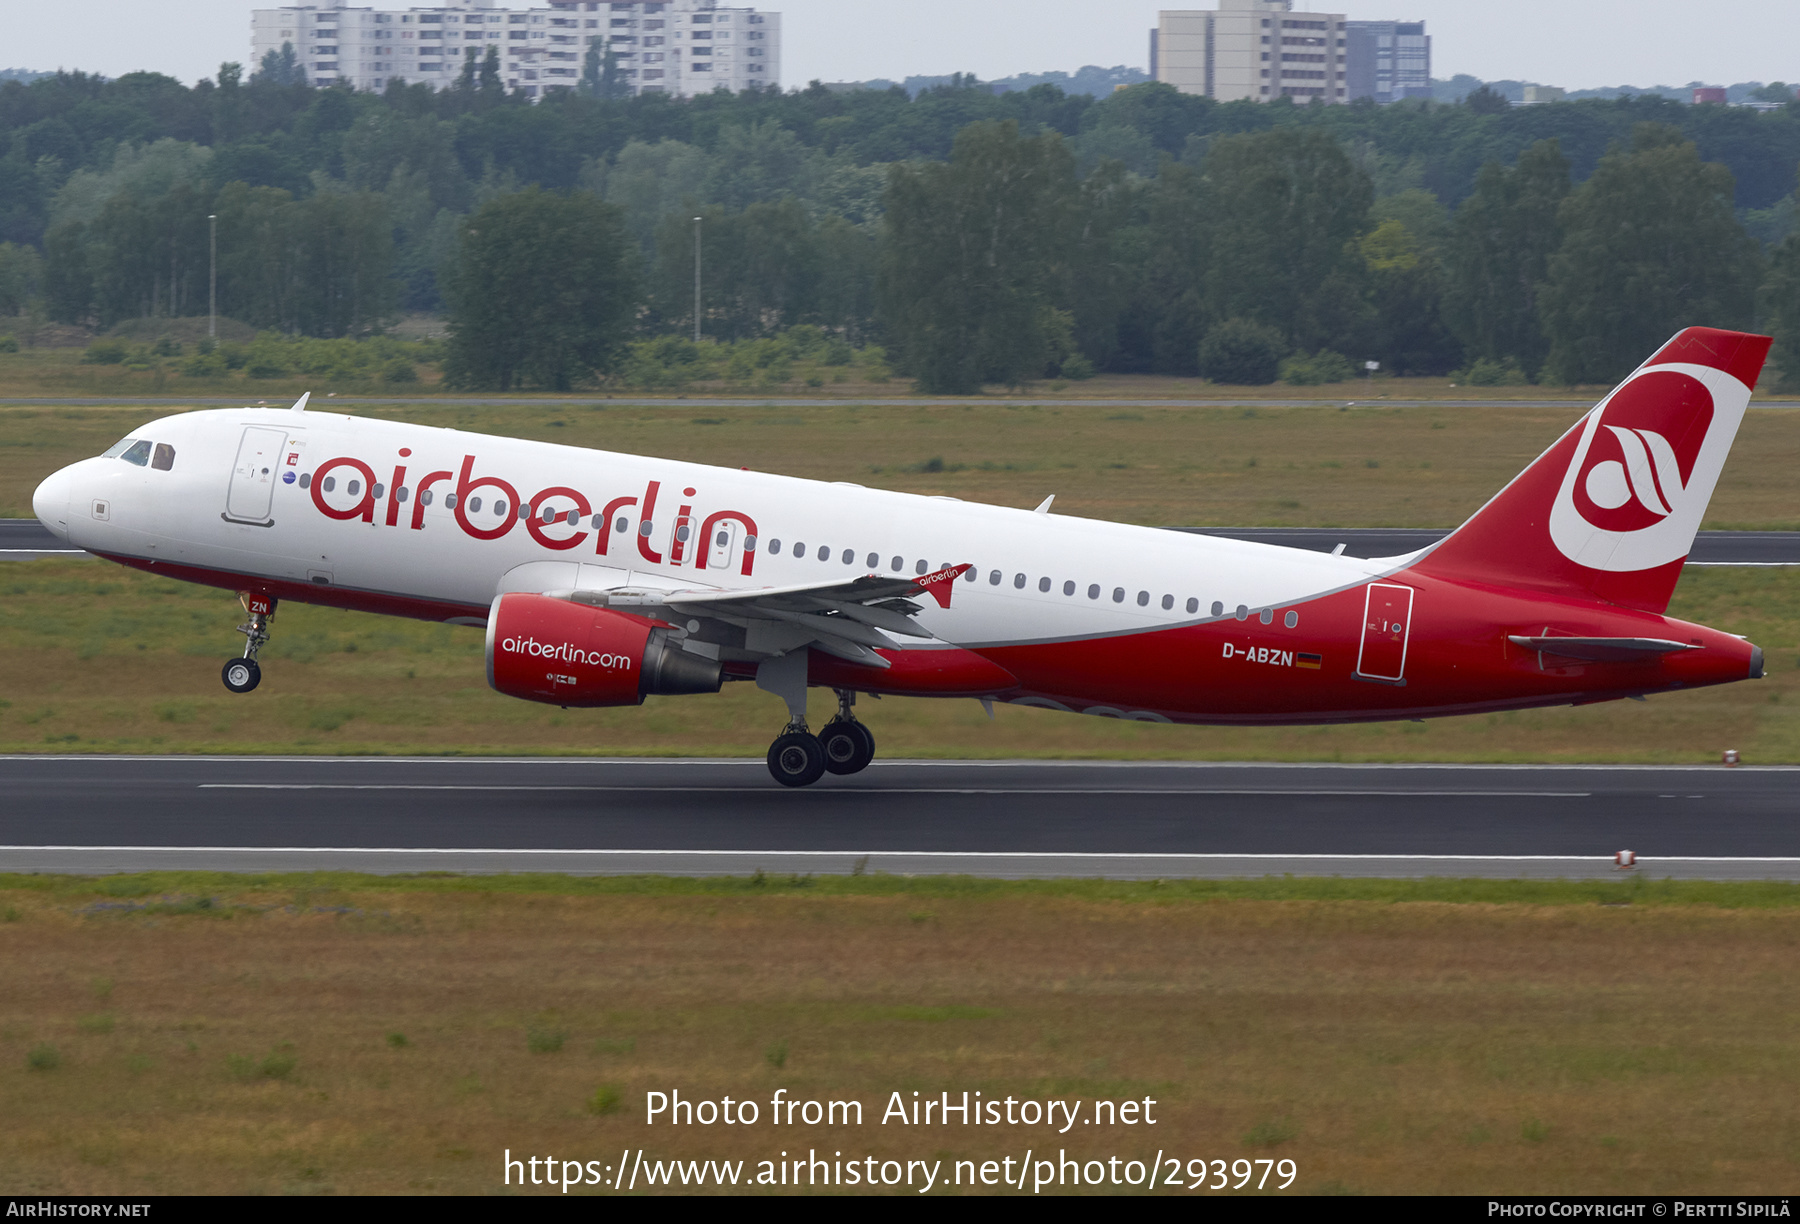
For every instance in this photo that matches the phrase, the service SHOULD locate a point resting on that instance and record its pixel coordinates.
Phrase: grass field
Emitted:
(97, 658)
(1236, 465)
(334, 1034)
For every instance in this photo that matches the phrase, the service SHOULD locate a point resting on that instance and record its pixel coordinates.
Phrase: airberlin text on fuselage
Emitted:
(567, 652)
(689, 542)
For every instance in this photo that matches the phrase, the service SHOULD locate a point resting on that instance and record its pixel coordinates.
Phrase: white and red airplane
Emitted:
(603, 577)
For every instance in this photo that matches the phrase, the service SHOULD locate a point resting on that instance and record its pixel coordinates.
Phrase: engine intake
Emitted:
(568, 654)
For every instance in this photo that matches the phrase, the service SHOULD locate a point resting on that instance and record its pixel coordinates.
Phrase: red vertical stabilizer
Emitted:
(1610, 511)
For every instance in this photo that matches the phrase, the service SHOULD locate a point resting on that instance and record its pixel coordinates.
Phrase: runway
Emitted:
(27, 539)
(999, 819)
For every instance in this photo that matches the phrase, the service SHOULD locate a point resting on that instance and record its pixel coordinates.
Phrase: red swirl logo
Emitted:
(1637, 467)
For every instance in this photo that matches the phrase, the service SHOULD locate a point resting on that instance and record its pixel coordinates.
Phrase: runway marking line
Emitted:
(1008, 763)
(894, 790)
(875, 854)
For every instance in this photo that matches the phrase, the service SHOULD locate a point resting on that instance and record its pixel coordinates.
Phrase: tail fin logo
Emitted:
(1644, 469)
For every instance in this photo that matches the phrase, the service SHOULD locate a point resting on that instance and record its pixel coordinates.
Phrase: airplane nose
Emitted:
(51, 503)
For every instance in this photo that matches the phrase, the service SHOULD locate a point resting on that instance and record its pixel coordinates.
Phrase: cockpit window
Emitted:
(164, 459)
(137, 452)
(118, 448)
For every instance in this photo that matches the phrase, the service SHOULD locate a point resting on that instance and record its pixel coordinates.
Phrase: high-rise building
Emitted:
(679, 47)
(1389, 60)
(1256, 49)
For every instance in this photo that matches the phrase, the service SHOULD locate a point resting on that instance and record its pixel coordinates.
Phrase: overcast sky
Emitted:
(1577, 44)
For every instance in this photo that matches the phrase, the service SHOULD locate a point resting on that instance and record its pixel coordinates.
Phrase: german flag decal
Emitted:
(1308, 660)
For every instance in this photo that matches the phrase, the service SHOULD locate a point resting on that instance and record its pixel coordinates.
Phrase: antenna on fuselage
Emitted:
(300, 404)
(1044, 506)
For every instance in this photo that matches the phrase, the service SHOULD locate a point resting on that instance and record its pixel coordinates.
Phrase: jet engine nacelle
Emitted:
(569, 654)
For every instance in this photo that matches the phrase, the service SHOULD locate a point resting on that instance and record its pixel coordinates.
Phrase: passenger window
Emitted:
(549, 514)
(1043, 584)
(425, 496)
(402, 493)
(1243, 613)
(799, 550)
(621, 525)
(646, 527)
(994, 578)
(165, 457)
(449, 498)
(1118, 594)
(474, 502)
(1018, 582)
(1218, 609)
(1094, 590)
(306, 479)
(849, 557)
(898, 564)
(1193, 606)
(774, 547)
(1291, 620)
(920, 568)
(138, 453)
(378, 492)
(824, 552)
(874, 559)
(330, 483)
(525, 513)
(1069, 588)
(1267, 615)
(1143, 599)
(1168, 602)
(749, 543)
(970, 574)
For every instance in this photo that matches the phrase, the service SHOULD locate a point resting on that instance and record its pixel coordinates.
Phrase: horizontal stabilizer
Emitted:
(1602, 650)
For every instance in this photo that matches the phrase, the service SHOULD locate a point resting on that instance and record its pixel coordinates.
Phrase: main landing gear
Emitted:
(243, 674)
(844, 746)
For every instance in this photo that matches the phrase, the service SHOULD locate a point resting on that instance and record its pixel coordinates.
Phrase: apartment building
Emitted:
(1388, 60)
(1255, 49)
(679, 47)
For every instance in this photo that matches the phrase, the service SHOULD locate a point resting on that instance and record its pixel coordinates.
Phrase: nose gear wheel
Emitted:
(244, 673)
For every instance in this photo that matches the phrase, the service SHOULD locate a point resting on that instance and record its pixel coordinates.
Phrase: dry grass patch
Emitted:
(98, 658)
(370, 1036)
(1240, 465)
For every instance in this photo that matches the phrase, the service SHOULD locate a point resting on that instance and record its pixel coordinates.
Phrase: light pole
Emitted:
(696, 280)
(212, 277)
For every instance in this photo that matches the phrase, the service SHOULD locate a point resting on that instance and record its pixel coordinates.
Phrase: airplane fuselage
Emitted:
(1057, 611)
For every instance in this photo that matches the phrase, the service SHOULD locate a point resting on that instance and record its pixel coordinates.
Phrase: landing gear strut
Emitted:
(798, 757)
(243, 674)
(849, 746)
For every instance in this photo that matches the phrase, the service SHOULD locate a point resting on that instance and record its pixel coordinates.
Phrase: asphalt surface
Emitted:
(23, 539)
(588, 816)
(321, 401)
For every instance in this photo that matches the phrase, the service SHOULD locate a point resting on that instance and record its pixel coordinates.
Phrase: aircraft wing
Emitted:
(848, 618)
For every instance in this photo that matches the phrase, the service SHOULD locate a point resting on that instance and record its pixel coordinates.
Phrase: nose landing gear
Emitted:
(243, 674)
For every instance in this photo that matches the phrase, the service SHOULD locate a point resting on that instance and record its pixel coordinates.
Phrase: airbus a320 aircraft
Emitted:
(602, 578)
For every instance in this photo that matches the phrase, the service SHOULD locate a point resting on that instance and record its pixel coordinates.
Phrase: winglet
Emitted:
(300, 404)
(937, 585)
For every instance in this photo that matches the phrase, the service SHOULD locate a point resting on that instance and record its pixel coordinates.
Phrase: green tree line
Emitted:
(980, 237)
